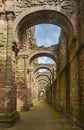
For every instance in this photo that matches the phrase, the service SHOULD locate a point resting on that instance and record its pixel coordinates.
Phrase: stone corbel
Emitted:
(9, 6)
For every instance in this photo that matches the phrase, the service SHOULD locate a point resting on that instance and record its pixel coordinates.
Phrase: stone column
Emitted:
(57, 88)
(9, 64)
(3, 41)
(53, 75)
(10, 89)
(25, 79)
(50, 79)
(30, 88)
(25, 106)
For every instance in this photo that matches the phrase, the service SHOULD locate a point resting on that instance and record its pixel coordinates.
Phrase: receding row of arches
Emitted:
(59, 84)
(50, 16)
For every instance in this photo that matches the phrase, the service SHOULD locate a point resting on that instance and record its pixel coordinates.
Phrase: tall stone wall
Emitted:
(3, 45)
(81, 84)
(62, 87)
(71, 74)
(74, 90)
(81, 61)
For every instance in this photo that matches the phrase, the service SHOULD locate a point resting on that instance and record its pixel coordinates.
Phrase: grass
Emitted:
(54, 113)
(57, 115)
(68, 129)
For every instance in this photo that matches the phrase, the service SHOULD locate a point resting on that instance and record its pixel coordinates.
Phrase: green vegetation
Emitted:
(67, 129)
(81, 117)
(25, 108)
(9, 117)
(53, 112)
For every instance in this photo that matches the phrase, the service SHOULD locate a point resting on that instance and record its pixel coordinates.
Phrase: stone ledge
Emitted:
(7, 120)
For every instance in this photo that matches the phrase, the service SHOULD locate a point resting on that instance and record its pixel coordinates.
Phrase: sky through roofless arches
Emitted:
(47, 35)
(46, 60)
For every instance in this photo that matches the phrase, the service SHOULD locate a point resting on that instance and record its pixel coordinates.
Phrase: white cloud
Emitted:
(42, 70)
(42, 59)
(45, 60)
(47, 34)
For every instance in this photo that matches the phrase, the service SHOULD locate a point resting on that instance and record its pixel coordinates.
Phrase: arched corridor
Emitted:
(22, 83)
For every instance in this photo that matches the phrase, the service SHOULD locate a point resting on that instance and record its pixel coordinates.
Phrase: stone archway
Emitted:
(43, 80)
(66, 14)
(41, 53)
(41, 97)
(43, 75)
(47, 14)
(44, 66)
(34, 16)
(42, 84)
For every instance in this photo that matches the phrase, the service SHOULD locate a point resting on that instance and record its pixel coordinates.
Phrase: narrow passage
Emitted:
(42, 117)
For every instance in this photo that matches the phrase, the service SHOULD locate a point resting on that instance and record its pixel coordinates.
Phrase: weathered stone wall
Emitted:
(63, 43)
(70, 80)
(81, 62)
(21, 80)
(62, 87)
(7, 64)
(66, 7)
(3, 44)
(54, 93)
(74, 90)
(81, 84)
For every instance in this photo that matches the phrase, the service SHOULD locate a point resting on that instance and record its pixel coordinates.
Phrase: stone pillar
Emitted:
(53, 75)
(10, 89)
(50, 80)
(3, 42)
(9, 64)
(25, 79)
(57, 88)
(30, 101)
(25, 106)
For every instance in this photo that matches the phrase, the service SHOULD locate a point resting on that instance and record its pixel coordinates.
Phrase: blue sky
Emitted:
(46, 35)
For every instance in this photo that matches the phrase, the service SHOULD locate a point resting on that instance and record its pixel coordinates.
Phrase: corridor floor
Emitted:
(42, 117)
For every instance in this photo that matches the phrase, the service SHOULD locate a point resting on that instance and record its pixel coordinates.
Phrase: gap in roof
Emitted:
(45, 60)
(47, 34)
(42, 70)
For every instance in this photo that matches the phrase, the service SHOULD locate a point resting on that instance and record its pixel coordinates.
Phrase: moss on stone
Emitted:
(9, 117)
(81, 117)
(54, 113)
(67, 128)
(25, 108)
(31, 104)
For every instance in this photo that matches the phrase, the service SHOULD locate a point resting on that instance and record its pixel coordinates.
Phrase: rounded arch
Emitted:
(42, 75)
(42, 67)
(39, 94)
(39, 15)
(42, 83)
(41, 54)
(43, 80)
(41, 91)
